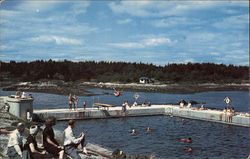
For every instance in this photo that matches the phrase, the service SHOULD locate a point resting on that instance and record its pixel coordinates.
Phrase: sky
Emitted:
(157, 32)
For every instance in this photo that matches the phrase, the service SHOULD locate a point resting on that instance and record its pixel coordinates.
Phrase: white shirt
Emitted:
(24, 95)
(28, 116)
(135, 104)
(69, 137)
(181, 104)
(15, 140)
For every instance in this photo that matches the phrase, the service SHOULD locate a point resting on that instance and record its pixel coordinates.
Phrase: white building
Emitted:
(144, 80)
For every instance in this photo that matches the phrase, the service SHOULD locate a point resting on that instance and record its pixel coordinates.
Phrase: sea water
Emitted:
(210, 140)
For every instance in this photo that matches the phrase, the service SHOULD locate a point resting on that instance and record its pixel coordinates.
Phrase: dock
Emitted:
(240, 119)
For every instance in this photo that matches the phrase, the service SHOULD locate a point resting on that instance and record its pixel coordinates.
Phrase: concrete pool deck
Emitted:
(240, 119)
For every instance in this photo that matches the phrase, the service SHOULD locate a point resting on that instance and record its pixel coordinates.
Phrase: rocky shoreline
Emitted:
(81, 88)
(170, 88)
(8, 122)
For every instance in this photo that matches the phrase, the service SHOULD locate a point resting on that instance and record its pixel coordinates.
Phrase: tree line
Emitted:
(123, 72)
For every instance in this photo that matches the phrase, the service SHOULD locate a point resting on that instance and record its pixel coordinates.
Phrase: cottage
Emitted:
(144, 80)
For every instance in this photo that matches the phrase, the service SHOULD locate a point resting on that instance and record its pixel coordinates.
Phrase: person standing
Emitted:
(49, 142)
(15, 144)
(70, 101)
(24, 95)
(28, 115)
(75, 101)
(71, 143)
(84, 104)
(124, 107)
(6, 107)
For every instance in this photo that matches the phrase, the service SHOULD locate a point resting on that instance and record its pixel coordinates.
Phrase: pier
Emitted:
(20, 106)
(240, 119)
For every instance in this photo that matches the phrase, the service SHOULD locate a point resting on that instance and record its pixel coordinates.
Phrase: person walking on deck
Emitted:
(71, 143)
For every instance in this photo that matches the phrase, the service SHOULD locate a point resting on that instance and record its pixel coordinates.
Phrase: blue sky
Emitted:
(158, 32)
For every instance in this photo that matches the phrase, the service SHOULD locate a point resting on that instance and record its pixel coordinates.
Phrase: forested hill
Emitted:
(122, 72)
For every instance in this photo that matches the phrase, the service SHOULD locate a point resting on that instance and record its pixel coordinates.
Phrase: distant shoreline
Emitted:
(81, 88)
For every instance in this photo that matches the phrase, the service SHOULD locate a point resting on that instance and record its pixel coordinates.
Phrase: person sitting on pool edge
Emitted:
(71, 143)
(15, 144)
(31, 145)
(49, 142)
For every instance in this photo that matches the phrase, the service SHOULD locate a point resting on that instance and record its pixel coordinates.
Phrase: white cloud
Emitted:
(236, 22)
(128, 45)
(175, 21)
(58, 40)
(37, 5)
(36, 26)
(156, 41)
(82, 58)
(188, 60)
(215, 53)
(124, 21)
(76, 29)
(19, 20)
(58, 31)
(80, 7)
(238, 60)
(202, 37)
(8, 13)
(3, 47)
(239, 3)
(236, 44)
(163, 8)
(131, 7)
(143, 43)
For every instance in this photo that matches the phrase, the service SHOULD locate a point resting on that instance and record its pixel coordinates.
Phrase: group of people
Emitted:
(190, 105)
(188, 140)
(73, 102)
(22, 95)
(182, 104)
(125, 105)
(134, 133)
(51, 148)
(228, 113)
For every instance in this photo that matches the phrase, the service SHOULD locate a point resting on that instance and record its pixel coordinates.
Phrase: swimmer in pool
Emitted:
(189, 149)
(149, 129)
(133, 132)
(189, 140)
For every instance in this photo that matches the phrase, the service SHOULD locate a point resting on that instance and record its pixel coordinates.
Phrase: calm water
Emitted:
(212, 140)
